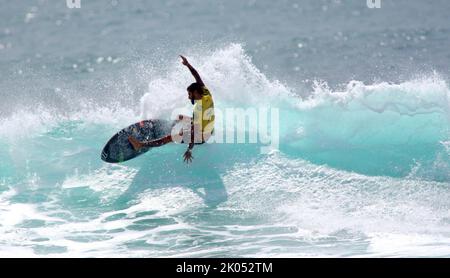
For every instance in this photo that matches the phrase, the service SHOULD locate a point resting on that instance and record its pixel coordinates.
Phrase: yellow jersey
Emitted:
(203, 115)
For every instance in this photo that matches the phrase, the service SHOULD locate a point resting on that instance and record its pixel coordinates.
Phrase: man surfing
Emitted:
(201, 123)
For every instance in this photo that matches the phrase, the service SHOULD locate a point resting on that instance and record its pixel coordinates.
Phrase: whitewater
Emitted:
(363, 171)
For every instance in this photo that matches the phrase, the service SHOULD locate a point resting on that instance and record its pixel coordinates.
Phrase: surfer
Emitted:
(201, 123)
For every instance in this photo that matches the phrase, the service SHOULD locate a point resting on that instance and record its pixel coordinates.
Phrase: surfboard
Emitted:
(119, 149)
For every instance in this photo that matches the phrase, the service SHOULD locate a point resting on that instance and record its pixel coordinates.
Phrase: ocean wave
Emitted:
(367, 166)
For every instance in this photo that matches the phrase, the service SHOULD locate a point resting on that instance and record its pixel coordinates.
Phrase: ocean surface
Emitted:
(363, 163)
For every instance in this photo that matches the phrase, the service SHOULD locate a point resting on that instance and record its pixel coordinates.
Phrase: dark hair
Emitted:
(194, 87)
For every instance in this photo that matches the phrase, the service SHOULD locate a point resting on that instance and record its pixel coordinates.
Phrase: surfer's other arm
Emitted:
(188, 154)
(193, 71)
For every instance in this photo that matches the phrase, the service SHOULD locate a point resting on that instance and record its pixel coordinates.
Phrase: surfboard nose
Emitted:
(104, 155)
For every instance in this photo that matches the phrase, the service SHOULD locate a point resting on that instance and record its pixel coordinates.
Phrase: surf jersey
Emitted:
(203, 115)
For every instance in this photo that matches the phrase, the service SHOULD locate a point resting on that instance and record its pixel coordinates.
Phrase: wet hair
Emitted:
(194, 87)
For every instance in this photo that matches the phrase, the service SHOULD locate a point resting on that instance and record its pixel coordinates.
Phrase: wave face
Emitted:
(364, 171)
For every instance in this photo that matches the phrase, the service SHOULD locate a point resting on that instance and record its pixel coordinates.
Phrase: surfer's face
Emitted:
(194, 96)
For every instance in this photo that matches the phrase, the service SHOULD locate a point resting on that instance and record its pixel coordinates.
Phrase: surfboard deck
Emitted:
(119, 149)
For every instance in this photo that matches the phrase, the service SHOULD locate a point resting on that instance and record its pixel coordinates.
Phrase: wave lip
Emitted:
(380, 129)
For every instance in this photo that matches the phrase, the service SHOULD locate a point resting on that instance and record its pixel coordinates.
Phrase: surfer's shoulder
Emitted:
(206, 91)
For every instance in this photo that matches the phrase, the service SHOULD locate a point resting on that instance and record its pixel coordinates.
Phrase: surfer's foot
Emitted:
(135, 143)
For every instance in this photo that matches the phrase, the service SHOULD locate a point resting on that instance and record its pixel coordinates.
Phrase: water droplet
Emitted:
(29, 17)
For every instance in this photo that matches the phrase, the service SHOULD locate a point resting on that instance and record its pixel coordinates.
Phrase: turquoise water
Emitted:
(363, 164)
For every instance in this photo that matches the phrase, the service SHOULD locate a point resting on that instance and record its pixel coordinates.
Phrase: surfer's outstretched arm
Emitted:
(188, 154)
(193, 71)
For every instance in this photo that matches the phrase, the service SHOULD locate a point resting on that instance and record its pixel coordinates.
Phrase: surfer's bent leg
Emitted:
(154, 143)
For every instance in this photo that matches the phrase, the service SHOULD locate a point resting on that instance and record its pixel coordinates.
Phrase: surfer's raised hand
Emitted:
(193, 71)
(184, 60)
(188, 156)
